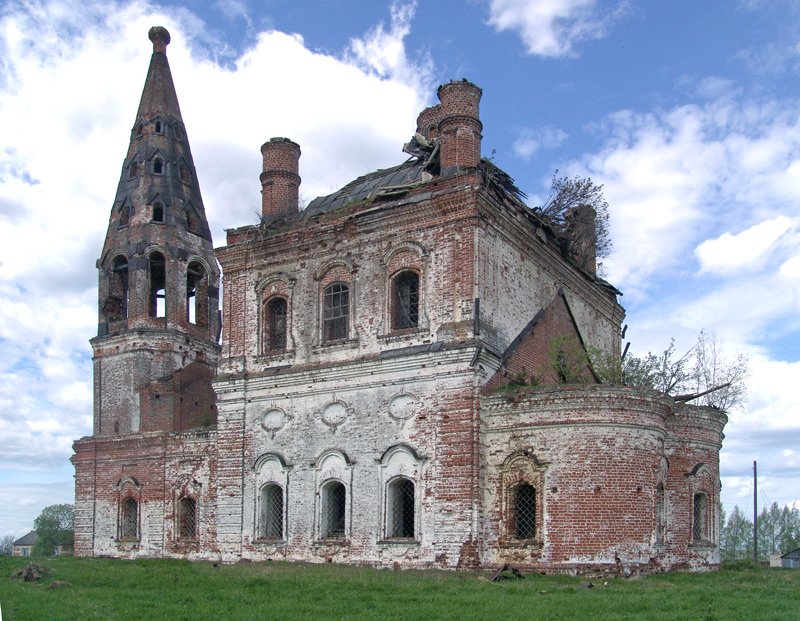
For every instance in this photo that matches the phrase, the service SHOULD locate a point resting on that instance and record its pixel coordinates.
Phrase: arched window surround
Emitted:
(270, 471)
(333, 474)
(129, 510)
(521, 480)
(274, 286)
(401, 470)
(407, 257)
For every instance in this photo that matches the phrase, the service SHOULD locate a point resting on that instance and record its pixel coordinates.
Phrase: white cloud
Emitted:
(747, 250)
(552, 28)
(530, 141)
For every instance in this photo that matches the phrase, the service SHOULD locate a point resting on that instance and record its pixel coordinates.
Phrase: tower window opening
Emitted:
(158, 212)
(116, 306)
(133, 171)
(158, 127)
(158, 166)
(158, 279)
(196, 294)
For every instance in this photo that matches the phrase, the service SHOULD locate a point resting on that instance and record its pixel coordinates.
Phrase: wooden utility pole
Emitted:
(755, 512)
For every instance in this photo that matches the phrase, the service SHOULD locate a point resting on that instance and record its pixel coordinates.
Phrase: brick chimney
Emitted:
(280, 180)
(460, 125)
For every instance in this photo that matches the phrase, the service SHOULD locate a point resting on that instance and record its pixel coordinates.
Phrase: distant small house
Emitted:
(791, 559)
(24, 545)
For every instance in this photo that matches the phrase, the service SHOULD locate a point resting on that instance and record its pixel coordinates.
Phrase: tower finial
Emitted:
(160, 38)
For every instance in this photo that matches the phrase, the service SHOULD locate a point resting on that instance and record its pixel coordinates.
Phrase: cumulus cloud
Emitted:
(530, 141)
(553, 28)
(70, 82)
(746, 251)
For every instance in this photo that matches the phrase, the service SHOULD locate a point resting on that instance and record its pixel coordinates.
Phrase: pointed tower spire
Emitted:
(158, 288)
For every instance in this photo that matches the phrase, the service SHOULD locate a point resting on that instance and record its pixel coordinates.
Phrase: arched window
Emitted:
(158, 212)
(523, 511)
(700, 517)
(129, 519)
(158, 279)
(270, 523)
(196, 294)
(334, 504)
(405, 300)
(187, 518)
(400, 508)
(335, 312)
(116, 306)
(274, 320)
(133, 171)
(159, 129)
(158, 166)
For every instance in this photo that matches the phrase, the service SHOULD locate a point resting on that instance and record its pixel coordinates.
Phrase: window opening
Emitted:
(158, 212)
(158, 166)
(523, 511)
(405, 301)
(133, 171)
(158, 294)
(334, 502)
(158, 127)
(196, 294)
(271, 512)
(699, 521)
(117, 304)
(275, 324)
(187, 518)
(129, 527)
(336, 308)
(400, 509)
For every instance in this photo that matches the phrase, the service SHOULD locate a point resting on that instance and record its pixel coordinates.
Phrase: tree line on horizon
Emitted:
(778, 533)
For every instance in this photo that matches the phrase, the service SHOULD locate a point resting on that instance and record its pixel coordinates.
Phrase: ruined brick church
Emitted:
(398, 375)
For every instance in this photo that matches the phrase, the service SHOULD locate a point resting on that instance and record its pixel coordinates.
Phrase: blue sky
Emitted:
(687, 112)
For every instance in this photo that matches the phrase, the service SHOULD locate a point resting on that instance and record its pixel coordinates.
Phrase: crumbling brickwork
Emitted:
(402, 377)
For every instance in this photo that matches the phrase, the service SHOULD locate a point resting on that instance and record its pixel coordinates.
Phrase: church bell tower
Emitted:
(156, 348)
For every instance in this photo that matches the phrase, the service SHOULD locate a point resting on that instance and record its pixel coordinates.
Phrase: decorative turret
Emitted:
(280, 181)
(159, 279)
(460, 126)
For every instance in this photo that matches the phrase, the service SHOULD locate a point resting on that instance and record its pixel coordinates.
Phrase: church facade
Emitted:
(401, 374)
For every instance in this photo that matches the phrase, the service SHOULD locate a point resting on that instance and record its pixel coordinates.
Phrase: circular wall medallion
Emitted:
(273, 420)
(402, 407)
(334, 414)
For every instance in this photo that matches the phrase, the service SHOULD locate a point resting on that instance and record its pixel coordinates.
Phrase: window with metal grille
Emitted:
(405, 301)
(335, 312)
(334, 503)
(400, 508)
(699, 521)
(271, 512)
(275, 325)
(523, 511)
(129, 520)
(187, 518)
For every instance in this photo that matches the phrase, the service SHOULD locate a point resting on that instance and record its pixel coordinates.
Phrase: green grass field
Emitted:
(169, 589)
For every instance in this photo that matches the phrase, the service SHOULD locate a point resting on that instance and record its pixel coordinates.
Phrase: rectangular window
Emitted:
(335, 312)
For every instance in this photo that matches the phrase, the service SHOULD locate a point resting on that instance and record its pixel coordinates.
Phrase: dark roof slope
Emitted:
(378, 183)
(27, 540)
